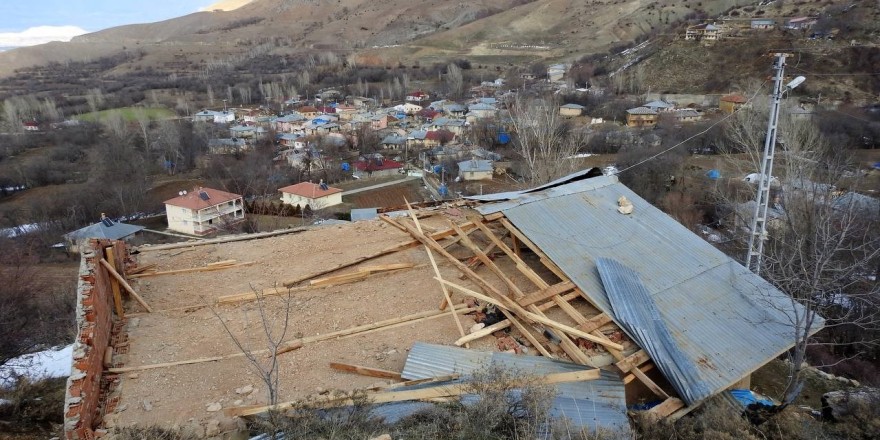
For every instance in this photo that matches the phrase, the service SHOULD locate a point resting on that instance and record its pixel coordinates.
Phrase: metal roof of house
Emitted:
(658, 104)
(115, 231)
(589, 404)
(480, 106)
(726, 319)
(474, 165)
(641, 111)
(573, 106)
(359, 214)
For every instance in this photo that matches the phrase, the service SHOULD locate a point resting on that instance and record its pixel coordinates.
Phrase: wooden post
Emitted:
(125, 285)
(446, 296)
(114, 285)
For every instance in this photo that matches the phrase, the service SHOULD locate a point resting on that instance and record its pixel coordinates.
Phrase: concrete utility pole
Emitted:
(758, 231)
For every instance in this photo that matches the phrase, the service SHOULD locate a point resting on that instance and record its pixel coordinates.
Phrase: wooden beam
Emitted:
(570, 348)
(545, 294)
(297, 343)
(633, 361)
(406, 395)
(114, 286)
(365, 371)
(230, 239)
(631, 377)
(390, 221)
(501, 325)
(222, 263)
(141, 269)
(339, 279)
(537, 318)
(446, 295)
(125, 285)
(596, 322)
(669, 406)
(192, 269)
(649, 383)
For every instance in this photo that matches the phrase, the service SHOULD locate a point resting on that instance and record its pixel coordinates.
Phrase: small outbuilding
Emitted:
(475, 169)
(106, 229)
(571, 110)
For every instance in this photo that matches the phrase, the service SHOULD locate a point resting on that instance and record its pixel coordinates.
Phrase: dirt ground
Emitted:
(185, 326)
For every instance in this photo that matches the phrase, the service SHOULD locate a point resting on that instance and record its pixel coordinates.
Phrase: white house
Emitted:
(316, 195)
(203, 211)
(223, 117)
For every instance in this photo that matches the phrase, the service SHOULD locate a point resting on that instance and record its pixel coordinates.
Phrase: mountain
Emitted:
(492, 31)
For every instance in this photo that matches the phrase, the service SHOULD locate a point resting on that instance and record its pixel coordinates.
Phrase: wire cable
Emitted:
(719, 121)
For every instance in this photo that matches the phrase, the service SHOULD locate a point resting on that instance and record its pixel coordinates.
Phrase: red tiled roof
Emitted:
(372, 165)
(734, 98)
(428, 113)
(191, 200)
(439, 135)
(417, 94)
(327, 109)
(309, 189)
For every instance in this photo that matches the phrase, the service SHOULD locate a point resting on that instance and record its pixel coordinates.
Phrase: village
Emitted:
(347, 245)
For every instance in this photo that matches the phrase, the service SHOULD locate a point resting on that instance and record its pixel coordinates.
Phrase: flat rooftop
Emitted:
(188, 324)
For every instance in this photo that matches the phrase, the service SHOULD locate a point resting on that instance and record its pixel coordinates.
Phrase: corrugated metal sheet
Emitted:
(359, 214)
(583, 174)
(725, 319)
(593, 403)
(637, 313)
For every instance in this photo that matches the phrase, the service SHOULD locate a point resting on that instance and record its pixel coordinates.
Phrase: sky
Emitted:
(27, 23)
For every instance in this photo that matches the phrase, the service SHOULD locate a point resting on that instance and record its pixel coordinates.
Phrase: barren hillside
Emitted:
(394, 28)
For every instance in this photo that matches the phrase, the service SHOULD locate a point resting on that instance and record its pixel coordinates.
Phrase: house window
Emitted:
(211, 222)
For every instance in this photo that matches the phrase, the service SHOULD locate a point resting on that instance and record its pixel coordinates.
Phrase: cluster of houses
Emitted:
(716, 31)
(649, 114)
(418, 127)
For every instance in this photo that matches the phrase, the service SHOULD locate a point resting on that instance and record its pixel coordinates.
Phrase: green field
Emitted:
(130, 114)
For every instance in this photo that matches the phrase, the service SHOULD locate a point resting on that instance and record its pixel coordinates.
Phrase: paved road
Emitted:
(381, 185)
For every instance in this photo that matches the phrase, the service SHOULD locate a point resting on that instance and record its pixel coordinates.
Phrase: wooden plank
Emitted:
(278, 291)
(649, 383)
(596, 322)
(390, 221)
(501, 325)
(365, 371)
(125, 285)
(141, 269)
(192, 270)
(202, 242)
(406, 395)
(666, 408)
(544, 294)
(537, 318)
(633, 360)
(358, 330)
(114, 286)
(446, 295)
(339, 279)
(644, 369)
(222, 263)
(386, 267)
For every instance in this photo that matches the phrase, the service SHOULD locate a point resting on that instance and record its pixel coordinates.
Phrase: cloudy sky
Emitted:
(28, 23)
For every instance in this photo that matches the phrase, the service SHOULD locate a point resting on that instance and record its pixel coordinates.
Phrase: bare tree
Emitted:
(454, 80)
(823, 245)
(544, 140)
(274, 330)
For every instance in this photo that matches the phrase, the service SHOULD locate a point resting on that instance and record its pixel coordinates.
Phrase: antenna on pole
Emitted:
(758, 230)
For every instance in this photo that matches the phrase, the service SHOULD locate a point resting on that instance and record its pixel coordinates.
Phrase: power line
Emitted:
(719, 121)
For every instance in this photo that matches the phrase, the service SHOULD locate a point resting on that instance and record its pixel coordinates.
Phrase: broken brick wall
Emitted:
(94, 319)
